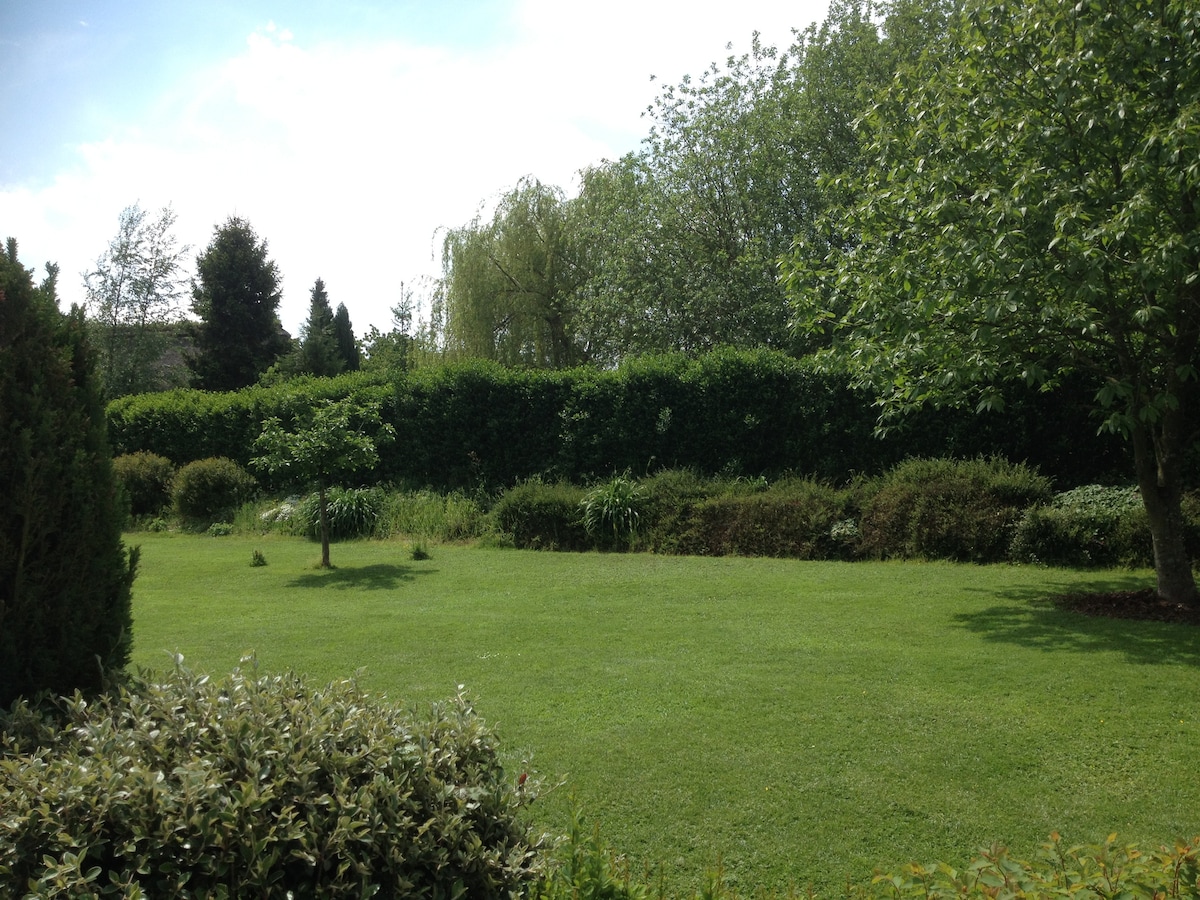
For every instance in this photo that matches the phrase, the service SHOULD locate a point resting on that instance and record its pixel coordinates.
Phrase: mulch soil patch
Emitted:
(1145, 605)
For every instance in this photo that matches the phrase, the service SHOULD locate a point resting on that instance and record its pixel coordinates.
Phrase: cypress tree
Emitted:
(65, 576)
(343, 333)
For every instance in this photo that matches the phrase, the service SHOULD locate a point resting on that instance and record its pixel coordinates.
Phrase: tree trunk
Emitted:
(324, 527)
(1157, 458)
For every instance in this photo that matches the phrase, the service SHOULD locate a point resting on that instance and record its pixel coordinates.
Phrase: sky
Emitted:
(349, 134)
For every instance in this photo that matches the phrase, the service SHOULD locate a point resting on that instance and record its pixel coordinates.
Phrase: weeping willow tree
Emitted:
(509, 284)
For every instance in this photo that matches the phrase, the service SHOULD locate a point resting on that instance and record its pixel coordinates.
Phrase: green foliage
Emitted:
(132, 299)
(65, 577)
(186, 425)
(1096, 526)
(612, 511)
(236, 297)
(1031, 210)
(326, 443)
(329, 441)
(318, 352)
(479, 427)
(948, 509)
(542, 516)
(208, 489)
(255, 785)
(257, 559)
(509, 283)
(146, 479)
(426, 514)
(351, 512)
(587, 868)
(343, 333)
(796, 519)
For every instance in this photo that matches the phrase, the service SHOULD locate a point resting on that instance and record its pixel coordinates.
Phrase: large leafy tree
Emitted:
(509, 283)
(327, 443)
(133, 298)
(65, 577)
(1033, 209)
(684, 236)
(236, 296)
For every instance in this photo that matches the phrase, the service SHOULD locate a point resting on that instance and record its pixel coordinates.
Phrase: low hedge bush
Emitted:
(1093, 525)
(211, 488)
(256, 786)
(964, 510)
(543, 516)
(146, 479)
(795, 519)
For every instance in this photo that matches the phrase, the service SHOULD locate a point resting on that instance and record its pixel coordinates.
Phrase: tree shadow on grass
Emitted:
(1029, 618)
(379, 577)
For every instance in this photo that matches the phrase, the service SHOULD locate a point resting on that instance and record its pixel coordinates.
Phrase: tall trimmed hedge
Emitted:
(479, 425)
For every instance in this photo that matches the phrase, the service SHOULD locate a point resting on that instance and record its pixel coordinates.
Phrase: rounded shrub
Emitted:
(963, 510)
(542, 516)
(1090, 526)
(211, 488)
(146, 478)
(257, 786)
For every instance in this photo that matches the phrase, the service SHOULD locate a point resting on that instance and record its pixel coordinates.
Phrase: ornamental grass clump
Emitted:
(257, 786)
(612, 511)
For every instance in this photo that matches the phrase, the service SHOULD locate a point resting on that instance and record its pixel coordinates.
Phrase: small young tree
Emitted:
(329, 443)
(65, 576)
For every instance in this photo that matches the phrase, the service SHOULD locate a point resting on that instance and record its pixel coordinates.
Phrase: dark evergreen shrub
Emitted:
(211, 488)
(257, 786)
(962, 510)
(543, 516)
(146, 479)
(65, 576)
(795, 519)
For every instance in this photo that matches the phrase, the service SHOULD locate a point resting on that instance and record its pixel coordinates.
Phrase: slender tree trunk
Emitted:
(1158, 464)
(324, 516)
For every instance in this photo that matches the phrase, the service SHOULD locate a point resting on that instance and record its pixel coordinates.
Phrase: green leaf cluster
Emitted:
(256, 785)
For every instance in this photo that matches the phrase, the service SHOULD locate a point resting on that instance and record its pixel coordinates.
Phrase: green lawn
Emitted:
(795, 722)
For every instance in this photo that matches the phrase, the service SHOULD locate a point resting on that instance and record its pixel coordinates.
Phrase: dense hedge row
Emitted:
(480, 425)
(976, 510)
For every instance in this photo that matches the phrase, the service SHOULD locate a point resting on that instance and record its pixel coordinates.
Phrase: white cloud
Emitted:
(347, 157)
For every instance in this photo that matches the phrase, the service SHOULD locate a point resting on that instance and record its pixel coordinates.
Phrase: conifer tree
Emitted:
(236, 296)
(65, 576)
(318, 351)
(343, 333)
